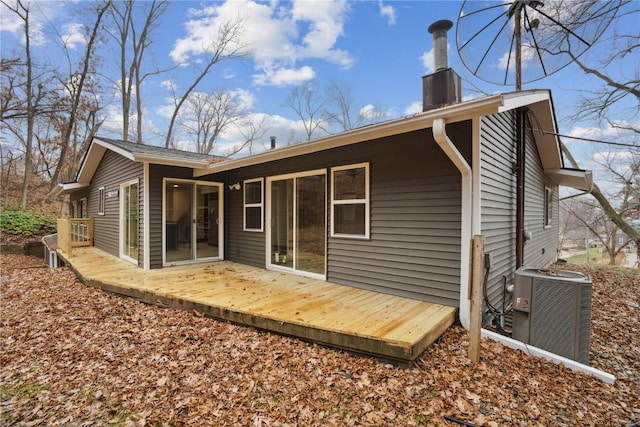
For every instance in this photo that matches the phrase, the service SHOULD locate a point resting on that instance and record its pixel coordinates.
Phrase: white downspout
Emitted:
(441, 137)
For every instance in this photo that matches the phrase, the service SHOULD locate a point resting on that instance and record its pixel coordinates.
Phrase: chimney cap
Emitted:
(443, 24)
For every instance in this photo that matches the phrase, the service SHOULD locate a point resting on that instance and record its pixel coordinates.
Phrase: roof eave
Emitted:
(453, 113)
(195, 164)
(575, 178)
(67, 188)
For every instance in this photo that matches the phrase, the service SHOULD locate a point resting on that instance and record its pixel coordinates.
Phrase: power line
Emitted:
(599, 141)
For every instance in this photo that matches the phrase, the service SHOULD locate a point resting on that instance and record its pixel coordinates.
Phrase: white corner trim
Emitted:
(551, 357)
(146, 228)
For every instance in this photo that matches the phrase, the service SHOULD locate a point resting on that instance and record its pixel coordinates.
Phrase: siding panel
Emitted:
(498, 214)
(114, 170)
(414, 245)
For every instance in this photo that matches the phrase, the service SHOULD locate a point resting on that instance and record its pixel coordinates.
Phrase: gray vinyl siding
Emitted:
(498, 189)
(414, 245)
(247, 247)
(542, 249)
(114, 170)
(498, 213)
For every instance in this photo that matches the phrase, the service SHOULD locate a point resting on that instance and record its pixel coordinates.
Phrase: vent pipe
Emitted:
(439, 30)
(273, 142)
(442, 87)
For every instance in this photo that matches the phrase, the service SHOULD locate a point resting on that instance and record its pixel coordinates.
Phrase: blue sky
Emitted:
(380, 49)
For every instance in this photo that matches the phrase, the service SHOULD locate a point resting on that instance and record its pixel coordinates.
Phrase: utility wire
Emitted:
(619, 144)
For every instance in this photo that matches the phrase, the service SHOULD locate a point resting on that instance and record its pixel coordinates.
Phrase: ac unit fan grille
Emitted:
(553, 324)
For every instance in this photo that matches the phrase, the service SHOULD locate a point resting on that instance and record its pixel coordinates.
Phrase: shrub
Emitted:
(19, 220)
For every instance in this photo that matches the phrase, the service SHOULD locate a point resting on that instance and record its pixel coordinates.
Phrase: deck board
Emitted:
(364, 321)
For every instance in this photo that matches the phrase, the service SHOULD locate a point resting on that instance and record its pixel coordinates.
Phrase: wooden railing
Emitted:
(74, 232)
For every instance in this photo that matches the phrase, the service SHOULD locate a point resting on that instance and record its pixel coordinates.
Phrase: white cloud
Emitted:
(284, 76)
(245, 98)
(72, 35)
(228, 73)
(611, 130)
(388, 12)
(113, 122)
(277, 35)
(168, 84)
(428, 61)
(40, 13)
(167, 109)
(285, 130)
(413, 108)
(368, 111)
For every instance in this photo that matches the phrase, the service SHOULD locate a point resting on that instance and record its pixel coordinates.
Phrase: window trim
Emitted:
(366, 201)
(547, 220)
(246, 205)
(101, 200)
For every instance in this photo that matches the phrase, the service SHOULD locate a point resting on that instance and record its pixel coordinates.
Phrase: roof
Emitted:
(538, 102)
(134, 152)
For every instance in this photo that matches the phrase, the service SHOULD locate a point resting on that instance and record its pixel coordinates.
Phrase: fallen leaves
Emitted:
(75, 355)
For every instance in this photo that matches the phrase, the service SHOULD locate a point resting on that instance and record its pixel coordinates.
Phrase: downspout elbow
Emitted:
(447, 146)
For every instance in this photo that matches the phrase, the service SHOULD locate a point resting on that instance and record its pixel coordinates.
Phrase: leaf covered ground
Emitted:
(77, 356)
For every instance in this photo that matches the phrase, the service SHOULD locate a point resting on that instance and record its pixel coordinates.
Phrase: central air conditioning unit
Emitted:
(552, 311)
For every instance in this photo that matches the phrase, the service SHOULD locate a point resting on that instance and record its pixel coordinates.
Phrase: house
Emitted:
(390, 207)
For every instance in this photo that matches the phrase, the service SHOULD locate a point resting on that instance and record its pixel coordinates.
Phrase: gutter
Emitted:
(454, 113)
(447, 146)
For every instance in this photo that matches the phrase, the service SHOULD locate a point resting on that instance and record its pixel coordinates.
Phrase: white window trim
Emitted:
(101, 200)
(253, 205)
(269, 264)
(366, 201)
(121, 229)
(547, 220)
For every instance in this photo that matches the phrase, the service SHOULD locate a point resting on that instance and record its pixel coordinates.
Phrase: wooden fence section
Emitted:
(74, 232)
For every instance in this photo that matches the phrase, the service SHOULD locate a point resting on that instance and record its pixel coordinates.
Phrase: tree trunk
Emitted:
(614, 216)
(78, 94)
(28, 152)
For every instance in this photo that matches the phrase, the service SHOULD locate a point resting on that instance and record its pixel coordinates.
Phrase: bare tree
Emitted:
(597, 224)
(627, 196)
(206, 116)
(133, 40)
(77, 84)
(227, 45)
(342, 110)
(310, 105)
(600, 101)
(252, 128)
(611, 96)
(32, 96)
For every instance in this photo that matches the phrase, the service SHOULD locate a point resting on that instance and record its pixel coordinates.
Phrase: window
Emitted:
(548, 206)
(253, 205)
(350, 201)
(101, 196)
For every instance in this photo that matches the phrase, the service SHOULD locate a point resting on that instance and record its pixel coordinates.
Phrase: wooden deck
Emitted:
(363, 321)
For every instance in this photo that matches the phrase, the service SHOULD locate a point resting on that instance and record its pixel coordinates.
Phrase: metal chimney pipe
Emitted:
(273, 142)
(439, 30)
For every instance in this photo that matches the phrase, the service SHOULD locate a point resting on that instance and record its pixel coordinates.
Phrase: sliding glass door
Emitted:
(192, 221)
(297, 218)
(129, 221)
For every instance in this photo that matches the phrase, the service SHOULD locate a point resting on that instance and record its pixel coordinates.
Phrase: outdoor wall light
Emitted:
(235, 186)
